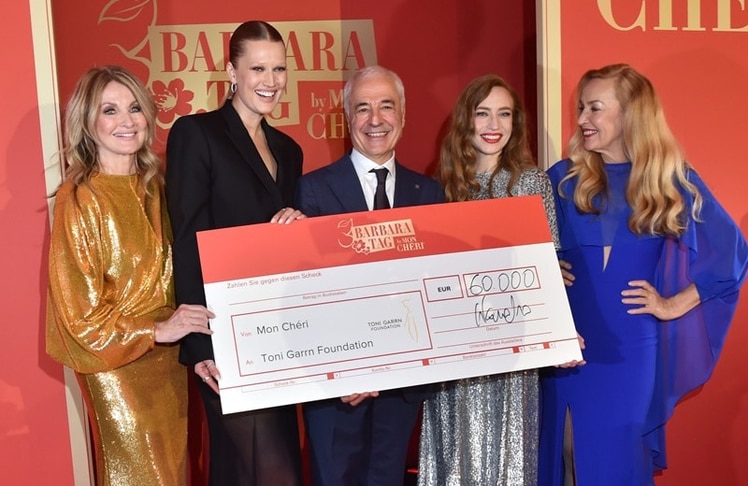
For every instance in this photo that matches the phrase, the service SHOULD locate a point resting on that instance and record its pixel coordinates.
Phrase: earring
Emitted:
(233, 88)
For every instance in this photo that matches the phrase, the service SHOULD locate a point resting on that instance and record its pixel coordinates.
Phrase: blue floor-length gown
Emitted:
(620, 401)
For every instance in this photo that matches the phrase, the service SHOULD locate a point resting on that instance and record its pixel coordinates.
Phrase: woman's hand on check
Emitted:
(357, 398)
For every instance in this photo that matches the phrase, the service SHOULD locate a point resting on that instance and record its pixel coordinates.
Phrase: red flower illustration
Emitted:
(360, 246)
(172, 100)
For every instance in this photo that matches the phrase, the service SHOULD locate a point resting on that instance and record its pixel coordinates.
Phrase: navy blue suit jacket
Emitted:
(335, 189)
(341, 453)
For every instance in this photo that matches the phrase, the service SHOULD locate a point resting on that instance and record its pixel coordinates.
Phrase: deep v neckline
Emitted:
(615, 209)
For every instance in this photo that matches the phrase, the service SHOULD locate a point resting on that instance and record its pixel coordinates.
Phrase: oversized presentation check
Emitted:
(376, 300)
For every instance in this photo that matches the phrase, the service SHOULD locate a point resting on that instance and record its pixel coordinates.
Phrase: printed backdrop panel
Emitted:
(179, 49)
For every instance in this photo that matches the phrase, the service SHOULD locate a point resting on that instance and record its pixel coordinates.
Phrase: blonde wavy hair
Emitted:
(457, 157)
(80, 150)
(657, 165)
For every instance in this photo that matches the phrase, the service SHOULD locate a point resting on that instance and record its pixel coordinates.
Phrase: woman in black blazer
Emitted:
(227, 168)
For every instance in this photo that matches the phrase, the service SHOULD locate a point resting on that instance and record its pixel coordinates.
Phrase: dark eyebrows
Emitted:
(501, 108)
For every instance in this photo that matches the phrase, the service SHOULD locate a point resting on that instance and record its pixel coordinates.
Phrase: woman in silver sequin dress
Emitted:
(484, 431)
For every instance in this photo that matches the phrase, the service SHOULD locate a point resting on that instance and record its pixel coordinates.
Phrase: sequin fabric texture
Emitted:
(110, 280)
(484, 431)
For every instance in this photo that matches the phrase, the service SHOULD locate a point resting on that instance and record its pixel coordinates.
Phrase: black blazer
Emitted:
(215, 178)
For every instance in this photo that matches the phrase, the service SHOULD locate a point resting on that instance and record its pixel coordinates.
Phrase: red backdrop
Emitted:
(177, 46)
(436, 51)
(34, 442)
(700, 74)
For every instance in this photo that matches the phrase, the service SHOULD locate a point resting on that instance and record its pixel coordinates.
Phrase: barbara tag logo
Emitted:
(398, 235)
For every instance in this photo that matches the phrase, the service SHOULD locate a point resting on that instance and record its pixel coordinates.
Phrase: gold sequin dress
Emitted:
(110, 279)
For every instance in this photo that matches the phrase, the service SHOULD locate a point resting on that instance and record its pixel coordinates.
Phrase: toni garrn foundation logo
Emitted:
(397, 235)
(186, 65)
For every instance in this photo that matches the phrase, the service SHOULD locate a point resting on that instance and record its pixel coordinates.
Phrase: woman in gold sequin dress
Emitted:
(111, 314)
(484, 431)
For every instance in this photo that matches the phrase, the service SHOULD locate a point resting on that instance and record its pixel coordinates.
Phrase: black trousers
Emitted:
(256, 448)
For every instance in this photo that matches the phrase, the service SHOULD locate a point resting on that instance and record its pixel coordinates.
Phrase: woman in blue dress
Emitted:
(653, 265)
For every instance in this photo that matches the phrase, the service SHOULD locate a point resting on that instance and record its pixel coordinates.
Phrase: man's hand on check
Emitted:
(357, 398)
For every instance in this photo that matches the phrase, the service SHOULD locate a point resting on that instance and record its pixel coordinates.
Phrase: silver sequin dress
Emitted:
(484, 431)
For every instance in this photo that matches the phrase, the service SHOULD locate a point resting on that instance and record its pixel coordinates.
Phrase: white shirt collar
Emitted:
(363, 165)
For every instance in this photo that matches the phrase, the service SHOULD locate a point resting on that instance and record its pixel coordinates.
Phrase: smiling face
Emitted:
(492, 124)
(601, 120)
(375, 116)
(260, 76)
(120, 129)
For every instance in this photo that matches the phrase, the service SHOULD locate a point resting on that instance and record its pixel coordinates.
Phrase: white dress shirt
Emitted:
(368, 180)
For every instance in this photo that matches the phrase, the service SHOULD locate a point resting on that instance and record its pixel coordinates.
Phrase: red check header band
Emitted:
(370, 236)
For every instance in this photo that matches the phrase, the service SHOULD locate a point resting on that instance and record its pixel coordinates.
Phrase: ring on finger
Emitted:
(206, 378)
(210, 364)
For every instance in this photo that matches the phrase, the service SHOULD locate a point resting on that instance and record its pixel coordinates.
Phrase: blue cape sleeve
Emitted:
(713, 254)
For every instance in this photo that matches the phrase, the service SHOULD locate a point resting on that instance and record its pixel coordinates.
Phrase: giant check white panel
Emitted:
(324, 332)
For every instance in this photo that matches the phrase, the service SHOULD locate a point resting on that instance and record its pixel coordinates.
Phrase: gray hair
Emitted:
(369, 71)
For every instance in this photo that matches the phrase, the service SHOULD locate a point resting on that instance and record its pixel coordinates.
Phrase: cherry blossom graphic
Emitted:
(359, 246)
(172, 100)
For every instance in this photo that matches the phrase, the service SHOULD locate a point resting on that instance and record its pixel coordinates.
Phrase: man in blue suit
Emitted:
(362, 439)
